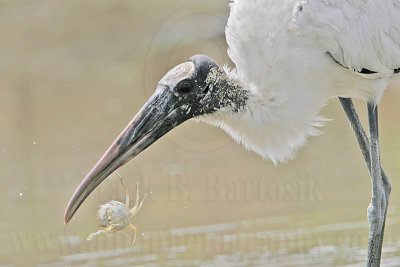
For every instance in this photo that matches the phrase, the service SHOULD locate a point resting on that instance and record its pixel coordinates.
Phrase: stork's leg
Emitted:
(360, 134)
(358, 129)
(380, 193)
(371, 157)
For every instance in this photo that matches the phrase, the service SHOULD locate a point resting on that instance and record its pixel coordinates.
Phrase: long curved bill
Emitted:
(157, 117)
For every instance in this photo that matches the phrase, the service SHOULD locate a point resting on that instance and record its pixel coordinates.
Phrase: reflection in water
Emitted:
(237, 244)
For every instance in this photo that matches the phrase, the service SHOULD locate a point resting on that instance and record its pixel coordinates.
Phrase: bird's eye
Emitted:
(184, 87)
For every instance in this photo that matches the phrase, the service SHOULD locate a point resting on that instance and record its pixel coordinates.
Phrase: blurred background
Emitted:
(72, 75)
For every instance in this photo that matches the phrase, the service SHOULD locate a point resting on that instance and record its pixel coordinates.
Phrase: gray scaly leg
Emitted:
(380, 183)
(380, 193)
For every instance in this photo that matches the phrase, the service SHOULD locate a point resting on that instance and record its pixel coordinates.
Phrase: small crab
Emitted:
(114, 216)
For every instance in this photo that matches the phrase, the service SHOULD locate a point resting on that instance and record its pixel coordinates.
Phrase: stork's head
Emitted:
(189, 90)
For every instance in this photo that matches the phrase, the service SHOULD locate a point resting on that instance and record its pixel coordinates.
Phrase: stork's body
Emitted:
(290, 57)
(281, 50)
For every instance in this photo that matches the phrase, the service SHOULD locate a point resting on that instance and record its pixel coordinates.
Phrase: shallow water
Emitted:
(72, 74)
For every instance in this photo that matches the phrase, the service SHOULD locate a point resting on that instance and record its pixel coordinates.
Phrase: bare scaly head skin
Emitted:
(191, 89)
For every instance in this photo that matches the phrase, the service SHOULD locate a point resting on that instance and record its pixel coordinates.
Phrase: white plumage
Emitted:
(290, 57)
(287, 53)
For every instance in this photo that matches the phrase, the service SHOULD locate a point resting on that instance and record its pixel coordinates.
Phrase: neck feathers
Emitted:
(270, 123)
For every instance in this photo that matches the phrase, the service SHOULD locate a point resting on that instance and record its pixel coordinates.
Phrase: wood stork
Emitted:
(290, 57)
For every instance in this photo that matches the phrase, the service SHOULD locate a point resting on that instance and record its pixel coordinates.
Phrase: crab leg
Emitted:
(134, 209)
(125, 187)
(137, 207)
(106, 230)
(134, 233)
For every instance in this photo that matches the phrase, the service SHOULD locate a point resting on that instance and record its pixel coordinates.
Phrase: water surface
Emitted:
(73, 73)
